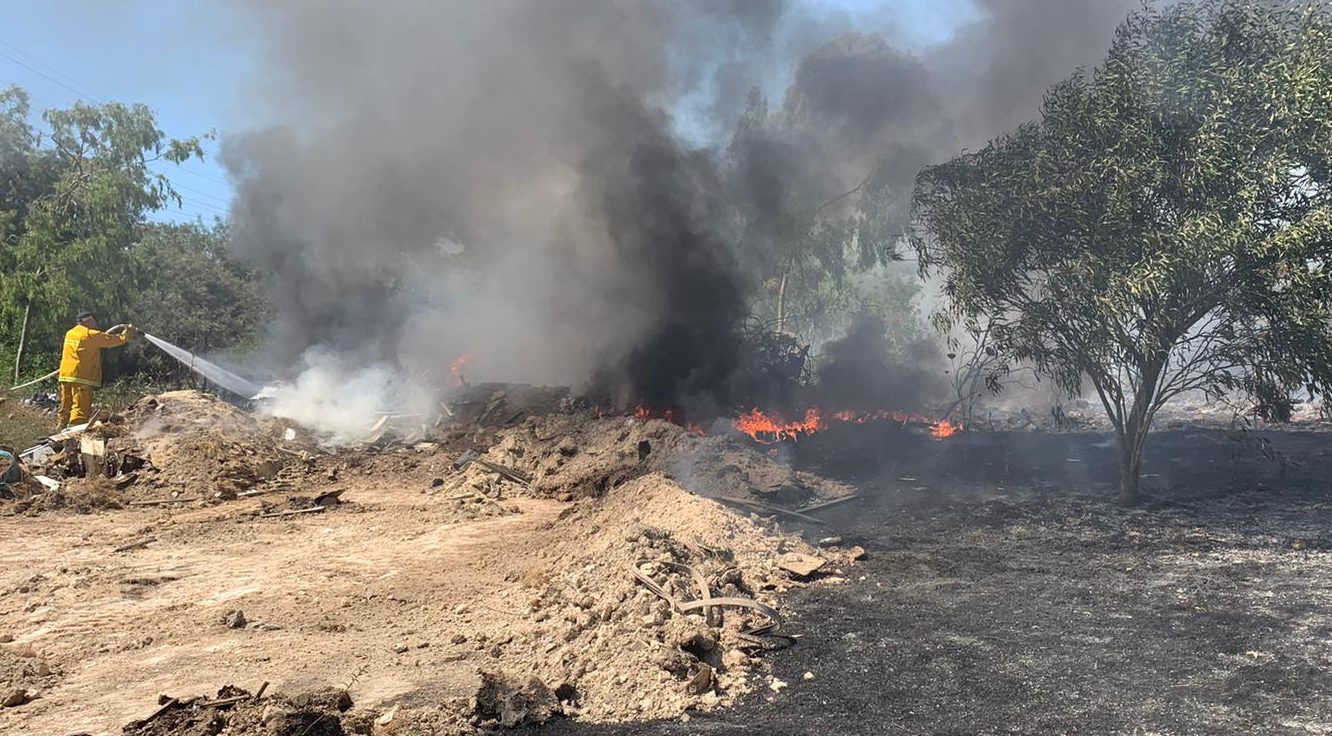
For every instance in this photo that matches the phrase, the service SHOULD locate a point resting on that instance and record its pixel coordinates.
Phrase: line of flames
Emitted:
(773, 428)
(770, 429)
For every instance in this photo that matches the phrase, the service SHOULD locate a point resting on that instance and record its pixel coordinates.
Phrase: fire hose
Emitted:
(35, 381)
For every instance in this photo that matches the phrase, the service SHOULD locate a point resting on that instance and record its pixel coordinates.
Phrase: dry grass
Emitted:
(20, 426)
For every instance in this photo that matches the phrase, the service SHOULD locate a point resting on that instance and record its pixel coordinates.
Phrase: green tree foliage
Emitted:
(187, 291)
(1167, 224)
(819, 189)
(826, 311)
(73, 199)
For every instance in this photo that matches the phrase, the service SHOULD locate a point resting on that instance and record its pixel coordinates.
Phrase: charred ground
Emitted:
(1033, 605)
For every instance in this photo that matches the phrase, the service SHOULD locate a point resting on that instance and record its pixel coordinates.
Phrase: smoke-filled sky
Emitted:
(546, 183)
(194, 63)
(557, 186)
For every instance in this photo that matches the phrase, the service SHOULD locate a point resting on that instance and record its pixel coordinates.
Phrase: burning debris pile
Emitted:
(773, 428)
(570, 456)
(510, 441)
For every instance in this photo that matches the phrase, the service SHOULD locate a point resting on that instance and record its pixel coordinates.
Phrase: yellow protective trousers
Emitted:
(75, 403)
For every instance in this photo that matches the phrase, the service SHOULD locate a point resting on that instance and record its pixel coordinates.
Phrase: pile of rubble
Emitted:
(645, 585)
(171, 448)
(650, 601)
(569, 457)
(186, 446)
(23, 675)
(192, 439)
(235, 710)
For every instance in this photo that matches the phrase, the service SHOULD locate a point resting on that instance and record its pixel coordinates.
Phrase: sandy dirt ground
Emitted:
(1003, 592)
(329, 600)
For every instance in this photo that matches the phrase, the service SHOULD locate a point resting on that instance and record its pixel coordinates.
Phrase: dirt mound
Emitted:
(567, 456)
(611, 619)
(197, 442)
(560, 565)
(80, 495)
(175, 447)
(495, 404)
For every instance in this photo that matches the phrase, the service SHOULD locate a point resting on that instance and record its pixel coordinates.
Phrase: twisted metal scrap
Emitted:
(763, 635)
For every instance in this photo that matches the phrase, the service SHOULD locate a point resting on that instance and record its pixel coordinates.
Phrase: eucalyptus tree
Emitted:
(1164, 227)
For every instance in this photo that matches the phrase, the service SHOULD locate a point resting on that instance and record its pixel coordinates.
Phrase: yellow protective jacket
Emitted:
(81, 360)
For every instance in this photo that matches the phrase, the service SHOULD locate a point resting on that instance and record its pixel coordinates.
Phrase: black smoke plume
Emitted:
(558, 188)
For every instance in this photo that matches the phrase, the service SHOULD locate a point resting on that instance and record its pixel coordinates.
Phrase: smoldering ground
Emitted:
(509, 179)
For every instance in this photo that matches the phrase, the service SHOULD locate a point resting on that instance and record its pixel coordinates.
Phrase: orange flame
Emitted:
(643, 412)
(943, 429)
(772, 429)
(457, 368)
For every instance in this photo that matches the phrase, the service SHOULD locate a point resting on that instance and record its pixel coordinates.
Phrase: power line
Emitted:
(39, 62)
(216, 200)
(201, 203)
(49, 78)
(174, 216)
(214, 179)
(77, 88)
(188, 201)
(180, 168)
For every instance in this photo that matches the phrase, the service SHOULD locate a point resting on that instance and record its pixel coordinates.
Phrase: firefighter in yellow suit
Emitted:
(81, 365)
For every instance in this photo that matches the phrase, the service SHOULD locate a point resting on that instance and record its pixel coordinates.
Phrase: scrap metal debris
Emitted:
(762, 633)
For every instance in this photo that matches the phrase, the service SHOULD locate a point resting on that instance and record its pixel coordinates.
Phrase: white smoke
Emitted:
(343, 402)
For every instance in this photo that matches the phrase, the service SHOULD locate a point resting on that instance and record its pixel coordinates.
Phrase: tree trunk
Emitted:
(1133, 436)
(1130, 467)
(23, 340)
(781, 305)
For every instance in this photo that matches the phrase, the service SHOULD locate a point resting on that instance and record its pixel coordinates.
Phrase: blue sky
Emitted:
(192, 63)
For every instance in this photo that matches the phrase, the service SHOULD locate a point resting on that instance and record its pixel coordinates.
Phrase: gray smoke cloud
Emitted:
(997, 67)
(509, 179)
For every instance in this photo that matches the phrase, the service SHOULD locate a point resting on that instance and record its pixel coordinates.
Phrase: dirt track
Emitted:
(346, 589)
(1053, 612)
